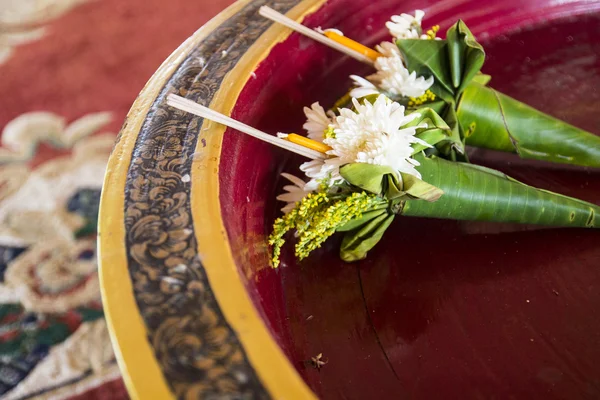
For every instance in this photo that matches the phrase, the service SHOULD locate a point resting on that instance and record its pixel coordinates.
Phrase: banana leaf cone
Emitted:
(502, 123)
(486, 117)
(476, 193)
(458, 191)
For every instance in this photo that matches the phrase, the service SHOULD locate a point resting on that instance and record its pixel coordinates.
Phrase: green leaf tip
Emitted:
(453, 62)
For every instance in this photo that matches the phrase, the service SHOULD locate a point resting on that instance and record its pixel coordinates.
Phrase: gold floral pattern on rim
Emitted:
(198, 352)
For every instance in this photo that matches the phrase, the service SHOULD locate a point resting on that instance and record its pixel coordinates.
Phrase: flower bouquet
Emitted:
(395, 146)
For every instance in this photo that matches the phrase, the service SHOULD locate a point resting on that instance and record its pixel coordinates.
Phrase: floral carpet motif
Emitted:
(51, 326)
(21, 21)
(70, 70)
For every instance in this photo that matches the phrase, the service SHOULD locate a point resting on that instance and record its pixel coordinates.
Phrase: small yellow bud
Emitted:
(427, 97)
(432, 33)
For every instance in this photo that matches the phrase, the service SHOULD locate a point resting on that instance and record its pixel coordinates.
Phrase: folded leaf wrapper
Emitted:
(476, 193)
(453, 62)
(503, 123)
(458, 191)
(486, 117)
(464, 112)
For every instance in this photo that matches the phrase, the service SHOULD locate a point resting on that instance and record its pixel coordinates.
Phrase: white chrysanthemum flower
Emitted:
(392, 77)
(293, 193)
(317, 121)
(406, 26)
(374, 135)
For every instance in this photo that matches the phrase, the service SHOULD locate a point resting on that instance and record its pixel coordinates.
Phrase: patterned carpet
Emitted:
(69, 71)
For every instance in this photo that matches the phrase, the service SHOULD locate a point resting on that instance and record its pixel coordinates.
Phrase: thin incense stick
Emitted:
(275, 16)
(205, 112)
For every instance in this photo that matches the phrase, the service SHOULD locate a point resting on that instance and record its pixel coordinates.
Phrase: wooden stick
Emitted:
(275, 16)
(205, 112)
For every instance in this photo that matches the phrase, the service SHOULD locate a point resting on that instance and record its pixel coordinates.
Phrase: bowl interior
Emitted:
(489, 310)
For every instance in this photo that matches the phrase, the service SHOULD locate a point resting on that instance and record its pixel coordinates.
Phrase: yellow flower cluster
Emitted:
(432, 33)
(293, 220)
(316, 218)
(325, 222)
(427, 97)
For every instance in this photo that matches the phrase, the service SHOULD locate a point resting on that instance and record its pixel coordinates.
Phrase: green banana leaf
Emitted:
(366, 217)
(472, 192)
(427, 58)
(499, 122)
(387, 183)
(503, 123)
(438, 132)
(453, 62)
(356, 244)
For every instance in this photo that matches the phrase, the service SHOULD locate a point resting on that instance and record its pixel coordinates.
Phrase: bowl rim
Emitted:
(141, 370)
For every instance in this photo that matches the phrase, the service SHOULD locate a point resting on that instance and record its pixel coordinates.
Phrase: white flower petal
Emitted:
(293, 193)
(363, 87)
(291, 197)
(419, 14)
(362, 82)
(317, 121)
(294, 179)
(312, 185)
(406, 26)
(362, 92)
(391, 77)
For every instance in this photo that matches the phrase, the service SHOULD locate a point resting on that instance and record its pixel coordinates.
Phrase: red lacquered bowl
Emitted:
(475, 311)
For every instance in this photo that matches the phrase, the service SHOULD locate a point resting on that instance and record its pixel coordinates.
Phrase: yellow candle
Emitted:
(309, 143)
(351, 44)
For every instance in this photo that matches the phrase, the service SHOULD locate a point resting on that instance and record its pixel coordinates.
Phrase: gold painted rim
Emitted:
(271, 365)
(141, 371)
